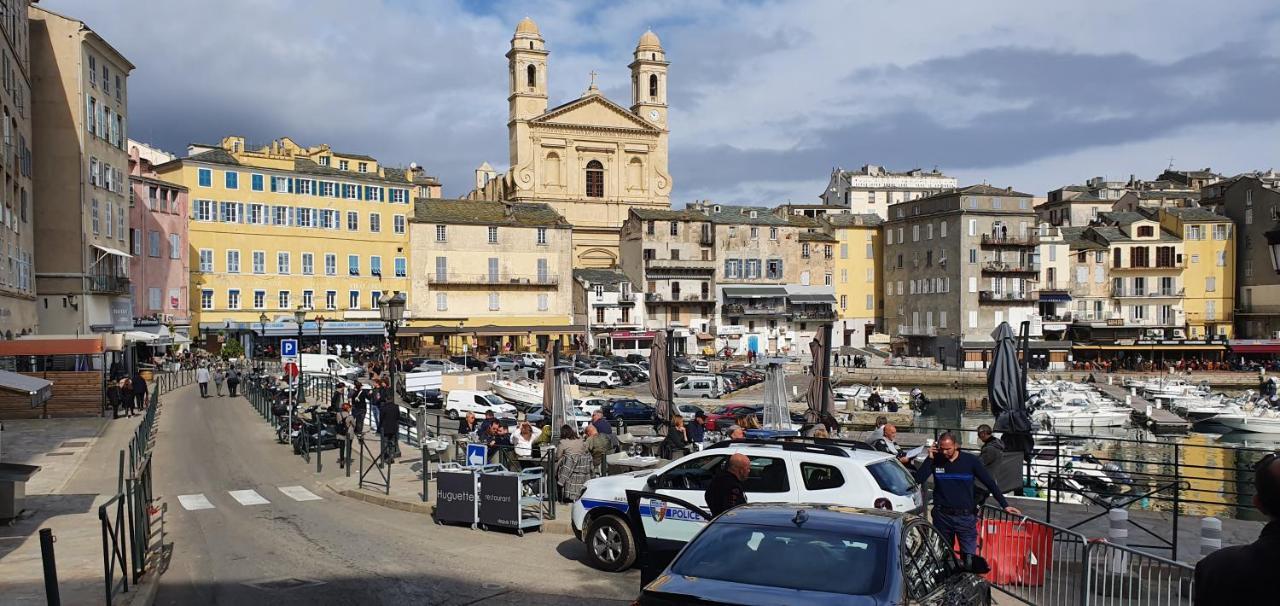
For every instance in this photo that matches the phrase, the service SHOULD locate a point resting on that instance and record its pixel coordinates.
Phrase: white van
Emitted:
(327, 364)
(459, 402)
(697, 386)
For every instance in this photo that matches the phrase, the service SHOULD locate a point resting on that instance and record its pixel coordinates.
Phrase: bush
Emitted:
(232, 349)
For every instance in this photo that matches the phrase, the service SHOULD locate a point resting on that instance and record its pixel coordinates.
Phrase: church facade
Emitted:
(590, 159)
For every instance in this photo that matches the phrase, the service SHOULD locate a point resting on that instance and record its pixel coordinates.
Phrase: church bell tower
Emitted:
(649, 81)
(527, 66)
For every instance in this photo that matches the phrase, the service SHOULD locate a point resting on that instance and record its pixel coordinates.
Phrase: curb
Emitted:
(560, 525)
(144, 594)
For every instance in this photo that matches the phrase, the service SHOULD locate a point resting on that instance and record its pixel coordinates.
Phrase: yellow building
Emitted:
(857, 277)
(1209, 274)
(491, 275)
(590, 159)
(279, 227)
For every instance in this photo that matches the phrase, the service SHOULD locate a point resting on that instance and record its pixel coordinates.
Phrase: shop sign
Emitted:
(727, 330)
(632, 334)
(122, 314)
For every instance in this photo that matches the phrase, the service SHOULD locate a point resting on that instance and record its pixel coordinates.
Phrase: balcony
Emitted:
(627, 297)
(659, 266)
(1002, 267)
(1015, 241)
(812, 313)
(734, 309)
(907, 330)
(1170, 266)
(990, 296)
(657, 297)
(493, 280)
(106, 284)
(1155, 293)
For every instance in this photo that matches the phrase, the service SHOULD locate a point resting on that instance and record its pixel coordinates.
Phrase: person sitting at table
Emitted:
(597, 446)
(523, 440)
(601, 424)
(676, 443)
(574, 465)
(570, 442)
(468, 425)
(544, 433)
(486, 426)
(501, 450)
(697, 429)
(736, 432)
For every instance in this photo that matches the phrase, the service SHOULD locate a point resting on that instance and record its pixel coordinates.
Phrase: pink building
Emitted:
(161, 263)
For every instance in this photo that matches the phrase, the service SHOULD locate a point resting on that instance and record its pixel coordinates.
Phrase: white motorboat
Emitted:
(1078, 409)
(1258, 419)
(522, 391)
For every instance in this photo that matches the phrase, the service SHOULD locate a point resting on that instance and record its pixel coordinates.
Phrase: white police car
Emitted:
(796, 470)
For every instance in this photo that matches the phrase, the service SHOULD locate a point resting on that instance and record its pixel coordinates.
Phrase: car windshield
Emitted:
(494, 400)
(793, 558)
(892, 477)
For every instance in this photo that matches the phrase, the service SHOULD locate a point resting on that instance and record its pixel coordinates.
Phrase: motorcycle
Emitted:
(312, 428)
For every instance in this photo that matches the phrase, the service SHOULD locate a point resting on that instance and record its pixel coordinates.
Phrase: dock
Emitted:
(1159, 420)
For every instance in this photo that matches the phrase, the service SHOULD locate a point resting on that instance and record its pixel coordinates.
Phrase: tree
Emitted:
(232, 348)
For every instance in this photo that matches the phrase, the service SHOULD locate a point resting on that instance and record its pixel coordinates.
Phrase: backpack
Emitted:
(341, 429)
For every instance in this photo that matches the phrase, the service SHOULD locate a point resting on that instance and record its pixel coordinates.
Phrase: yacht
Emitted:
(1256, 418)
(1078, 409)
(521, 391)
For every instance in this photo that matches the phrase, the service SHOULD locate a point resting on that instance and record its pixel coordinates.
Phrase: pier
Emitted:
(1145, 412)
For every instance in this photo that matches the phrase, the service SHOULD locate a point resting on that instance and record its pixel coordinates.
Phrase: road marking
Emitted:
(299, 493)
(248, 497)
(192, 502)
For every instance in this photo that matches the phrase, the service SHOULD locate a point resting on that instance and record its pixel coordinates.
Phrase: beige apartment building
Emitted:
(82, 232)
(491, 275)
(18, 314)
(590, 159)
(670, 255)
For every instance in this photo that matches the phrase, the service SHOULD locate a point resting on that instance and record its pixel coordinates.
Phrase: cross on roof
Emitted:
(593, 77)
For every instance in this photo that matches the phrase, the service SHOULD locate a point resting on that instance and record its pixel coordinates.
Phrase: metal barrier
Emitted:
(1120, 575)
(126, 517)
(1030, 560)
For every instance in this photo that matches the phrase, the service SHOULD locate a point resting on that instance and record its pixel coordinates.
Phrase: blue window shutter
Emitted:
(360, 190)
(273, 183)
(315, 187)
(290, 184)
(243, 218)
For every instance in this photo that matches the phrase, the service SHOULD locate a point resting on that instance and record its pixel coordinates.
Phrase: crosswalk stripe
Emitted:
(299, 493)
(248, 497)
(192, 502)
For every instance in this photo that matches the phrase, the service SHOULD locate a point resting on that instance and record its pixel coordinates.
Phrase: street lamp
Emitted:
(300, 316)
(320, 331)
(262, 321)
(463, 345)
(391, 308)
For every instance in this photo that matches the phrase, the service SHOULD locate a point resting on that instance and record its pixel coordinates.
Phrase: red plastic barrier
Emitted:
(1018, 552)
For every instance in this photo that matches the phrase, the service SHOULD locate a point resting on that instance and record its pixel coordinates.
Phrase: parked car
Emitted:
(811, 470)
(590, 405)
(696, 386)
(532, 360)
(731, 381)
(680, 364)
(626, 374)
(599, 377)
(700, 365)
(438, 365)
(628, 409)
(637, 358)
(689, 411)
(575, 416)
(459, 402)
(503, 363)
(770, 553)
(469, 362)
(640, 374)
(725, 416)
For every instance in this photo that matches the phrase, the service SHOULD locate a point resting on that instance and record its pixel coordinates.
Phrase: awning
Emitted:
(813, 298)
(1256, 348)
(1056, 297)
(1150, 347)
(51, 347)
(39, 390)
(755, 291)
(702, 336)
(138, 336)
(113, 251)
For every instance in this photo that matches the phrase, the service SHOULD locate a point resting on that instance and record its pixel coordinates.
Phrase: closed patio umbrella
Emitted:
(819, 396)
(1007, 391)
(554, 390)
(660, 377)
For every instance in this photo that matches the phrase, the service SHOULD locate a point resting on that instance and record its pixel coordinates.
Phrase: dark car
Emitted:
(469, 362)
(628, 409)
(769, 553)
(637, 358)
(681, 365)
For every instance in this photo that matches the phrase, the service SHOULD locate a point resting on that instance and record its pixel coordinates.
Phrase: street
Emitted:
(251, 523)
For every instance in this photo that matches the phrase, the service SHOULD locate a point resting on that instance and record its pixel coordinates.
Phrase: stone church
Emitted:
(590, 158)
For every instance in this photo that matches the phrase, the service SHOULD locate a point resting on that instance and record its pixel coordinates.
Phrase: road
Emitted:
(255, 525)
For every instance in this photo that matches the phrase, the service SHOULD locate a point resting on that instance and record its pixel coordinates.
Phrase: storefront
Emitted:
(1255, 350)
(264, 338)
(432, 340)
(625, 342)
(1147, 354)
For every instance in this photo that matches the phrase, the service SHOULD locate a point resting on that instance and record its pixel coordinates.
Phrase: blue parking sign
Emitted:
(477, 454)
(288, 348)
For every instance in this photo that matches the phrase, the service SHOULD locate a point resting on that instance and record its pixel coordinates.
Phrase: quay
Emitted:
(1159, 420)
(919, 377)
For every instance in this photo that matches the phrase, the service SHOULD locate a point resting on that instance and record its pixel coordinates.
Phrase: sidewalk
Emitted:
(79, 461)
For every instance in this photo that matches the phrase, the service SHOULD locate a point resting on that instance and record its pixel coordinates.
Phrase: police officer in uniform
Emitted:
(953, 472)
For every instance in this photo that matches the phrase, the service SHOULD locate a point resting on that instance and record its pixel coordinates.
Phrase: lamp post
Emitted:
(320, 331)
(262, 321)
(391, 308)
(464, 345)
(300, 316)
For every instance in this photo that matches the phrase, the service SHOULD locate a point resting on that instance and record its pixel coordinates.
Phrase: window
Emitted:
(282, 299)
(401, 267)
(375, 222)
(397, 222)
(233, 261)
(1194, 232)
(375, 266)
(175, 247)
(308, 299)
(255, 182)
(259, 262)
(804, 250)
(973, 319)
(343, 165)
(353, 220)
(280, 215)
(153, 299)
(331, 299)
(542, 236)
(1210, 310)
(153, 244)
(353, 265)
(233, 299)
(595, 179)
(442, 301)
(773, 233)
(282, 263)
(1222, 258)
(442, 269)
(1221, 232)
(362, 167)
(915, 233)
(353, 299)
(93, 70)
(544, 303)
(493, 234)
(233, 180)
(675, 228)
(493, 301)
(206, 260)
(206, 299)
(973, 227)
(440, 234)
(259, 299)
(308, 264)
(1210, 284)
(942, 229)
(773, 269)
(826, 251)
(205, 177)
(330, 264)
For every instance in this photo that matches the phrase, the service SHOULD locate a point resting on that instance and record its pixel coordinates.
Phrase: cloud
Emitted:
(766, 96)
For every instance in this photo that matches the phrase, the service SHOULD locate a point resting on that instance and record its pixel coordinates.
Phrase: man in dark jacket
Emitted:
(139, 392)
(360, 407)
(990, 455)
(697, 430)
(1242, 574)
(953, 475)
(726, 490)
(389, 427)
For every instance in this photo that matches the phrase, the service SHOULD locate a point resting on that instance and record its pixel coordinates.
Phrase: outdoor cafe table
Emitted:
(645, 442)
(624, 460)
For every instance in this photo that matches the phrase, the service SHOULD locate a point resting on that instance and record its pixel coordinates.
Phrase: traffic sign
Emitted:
(324, 346)
(477, 454)
(291, 370)
(288, 350)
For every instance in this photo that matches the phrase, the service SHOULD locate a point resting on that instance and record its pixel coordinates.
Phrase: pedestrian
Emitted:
(375, 404)
(953, 474)
(138, 385)
(389, 428)
(726, 490)
(346, 430)
(487, 425)
(887, 442)
(113, 397)
(1242, 574)
(218, 377)
(202, 379)
(233, 381)
(1007, 474)
(360, 407)
(338, 398)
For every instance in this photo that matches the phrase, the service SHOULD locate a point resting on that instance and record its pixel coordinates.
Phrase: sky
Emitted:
(766, 97)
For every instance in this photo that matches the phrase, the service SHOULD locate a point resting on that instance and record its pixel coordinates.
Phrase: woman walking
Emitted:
(218, 377)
